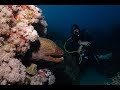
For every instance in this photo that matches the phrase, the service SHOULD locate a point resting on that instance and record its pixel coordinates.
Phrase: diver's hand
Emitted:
(86, 43)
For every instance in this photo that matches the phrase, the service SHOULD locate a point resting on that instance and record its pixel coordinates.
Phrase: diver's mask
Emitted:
(76, 32)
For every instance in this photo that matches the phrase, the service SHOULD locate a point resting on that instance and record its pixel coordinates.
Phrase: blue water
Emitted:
(98, 20)
(92, 17)
(92, 77)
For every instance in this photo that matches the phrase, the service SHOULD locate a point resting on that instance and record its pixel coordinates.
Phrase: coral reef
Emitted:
(41, 77)
(115, 80)
(16, 34)
(72, 69)
(11, 69)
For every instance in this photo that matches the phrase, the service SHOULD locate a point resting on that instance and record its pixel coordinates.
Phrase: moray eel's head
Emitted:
(48, 51)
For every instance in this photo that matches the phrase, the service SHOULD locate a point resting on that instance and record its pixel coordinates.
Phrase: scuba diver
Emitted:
(79, 45)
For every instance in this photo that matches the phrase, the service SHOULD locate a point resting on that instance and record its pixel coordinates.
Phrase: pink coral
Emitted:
(16, 23)
(16, 34)
(43, 76)
(11, 69)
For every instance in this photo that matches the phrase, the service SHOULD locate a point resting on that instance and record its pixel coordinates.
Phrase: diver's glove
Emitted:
(81, 49)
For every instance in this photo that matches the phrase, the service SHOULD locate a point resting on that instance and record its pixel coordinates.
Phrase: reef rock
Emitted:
(32, 69)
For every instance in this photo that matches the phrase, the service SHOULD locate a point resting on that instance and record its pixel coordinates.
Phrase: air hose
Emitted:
(80, 57)
(66, 49)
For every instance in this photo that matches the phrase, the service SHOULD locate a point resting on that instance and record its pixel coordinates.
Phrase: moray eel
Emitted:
(48, 51)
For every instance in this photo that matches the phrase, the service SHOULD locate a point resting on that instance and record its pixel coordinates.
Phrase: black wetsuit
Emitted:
(73, 45)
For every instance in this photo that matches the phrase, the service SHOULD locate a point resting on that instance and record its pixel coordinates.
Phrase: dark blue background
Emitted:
(99, 20)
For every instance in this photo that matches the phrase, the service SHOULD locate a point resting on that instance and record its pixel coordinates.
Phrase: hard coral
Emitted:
(115, 80)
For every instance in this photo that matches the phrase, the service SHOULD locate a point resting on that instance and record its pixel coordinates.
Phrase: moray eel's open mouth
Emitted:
(57, 56)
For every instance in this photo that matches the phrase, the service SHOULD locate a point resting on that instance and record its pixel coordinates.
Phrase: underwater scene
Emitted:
(59, 45)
